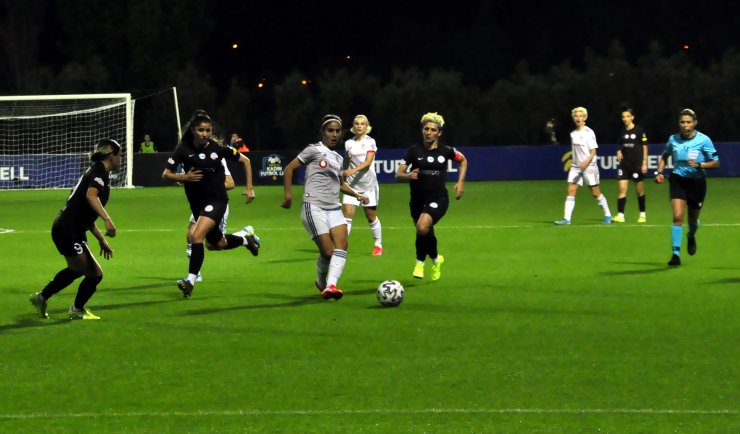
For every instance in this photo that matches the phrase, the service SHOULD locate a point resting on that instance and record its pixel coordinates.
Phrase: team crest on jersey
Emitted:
(214, 156)
(323, 164)
(208, 208)
(441, 159)
(202, 156)
(434, 205)
(430, 159)
(633, 136)
(170, 160)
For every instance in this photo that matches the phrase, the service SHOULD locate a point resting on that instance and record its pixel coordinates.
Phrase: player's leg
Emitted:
(87, 265)
(371, 214)
(338, 243)
(69, 245)
(349, 205)
(697, 193)
(423, 225)
(316, 222)
(621, 200)
(575, 179)
(189, 248)
(435, 213)
(592, 179)
(640, 189)
(678, 207)
(203, 226)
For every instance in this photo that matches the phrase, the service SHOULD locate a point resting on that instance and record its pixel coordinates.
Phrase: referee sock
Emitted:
(336, 266)
(693, 227)
(86, 290)
(62, 280)
(676, 236)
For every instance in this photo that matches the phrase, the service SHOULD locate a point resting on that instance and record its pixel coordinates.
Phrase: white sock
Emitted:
(191, 278)
(604, 205)
(336, 266)
(322, 268)
(349, 225)
(570, 203)
(377, 232)
(189, 249)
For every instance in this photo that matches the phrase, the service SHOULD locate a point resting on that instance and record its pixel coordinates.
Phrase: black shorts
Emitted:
(628, 174)
(435, 208)
(692, 190)
(213, 209)
(68, 241)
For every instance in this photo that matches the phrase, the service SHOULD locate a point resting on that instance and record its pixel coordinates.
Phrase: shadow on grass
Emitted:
(32, 321)
(653, 267)
(290, 301)
(728, 280)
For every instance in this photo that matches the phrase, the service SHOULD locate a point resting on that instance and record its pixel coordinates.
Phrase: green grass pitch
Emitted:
(532, 328)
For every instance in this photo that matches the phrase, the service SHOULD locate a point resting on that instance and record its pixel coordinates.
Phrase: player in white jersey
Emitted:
(321, 211)
(583, 166)
(360, 175)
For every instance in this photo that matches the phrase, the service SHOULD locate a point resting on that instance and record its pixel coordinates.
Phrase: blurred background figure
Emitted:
(550, 132)
(147, 146)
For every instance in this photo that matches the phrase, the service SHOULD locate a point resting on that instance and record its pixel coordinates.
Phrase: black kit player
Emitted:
(632, 156)
(203, 179)
(425, 168)
(85, 204)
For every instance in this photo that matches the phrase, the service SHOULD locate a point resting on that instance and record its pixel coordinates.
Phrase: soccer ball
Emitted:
(390, 293)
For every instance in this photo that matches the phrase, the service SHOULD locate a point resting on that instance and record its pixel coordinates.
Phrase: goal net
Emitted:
(45, 140)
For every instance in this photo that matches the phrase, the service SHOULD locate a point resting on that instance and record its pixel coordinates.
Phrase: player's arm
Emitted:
(97, 206)
(644, 153)
(588, 161)
(105, 248)
(369, 158)
(288, 182)
(346, 189)
(710, 154)
(659, 178)
(249, 190)
(403, 175)
(463, 170)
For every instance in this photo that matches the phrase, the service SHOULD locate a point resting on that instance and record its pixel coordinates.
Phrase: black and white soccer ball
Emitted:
(390, 293)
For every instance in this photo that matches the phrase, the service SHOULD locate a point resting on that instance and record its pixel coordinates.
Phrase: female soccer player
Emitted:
(204, 178)
(425, 168)
(583, 141)
(84, 206)
(321, 211)
(632, 156)
(692, 153)
(360, 152)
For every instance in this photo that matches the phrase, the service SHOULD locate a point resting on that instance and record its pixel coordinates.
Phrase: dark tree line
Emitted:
(147, 46)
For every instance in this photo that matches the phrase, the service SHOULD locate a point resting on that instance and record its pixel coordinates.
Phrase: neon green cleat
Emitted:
(419, 270)
(642, 219)
(619, 218)
(35, 299)
(81, 314)
(437, 267)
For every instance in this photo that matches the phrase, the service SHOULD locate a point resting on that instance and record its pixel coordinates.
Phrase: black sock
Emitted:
(86, 290)
(641, 202)
(233, 241)
(421, 247)
(621, 202)
(432, 243)
(62, 280)
(196, 258)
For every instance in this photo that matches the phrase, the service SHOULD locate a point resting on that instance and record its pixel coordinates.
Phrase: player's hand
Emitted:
(249, 193)
(193, 175)
(458, 191)
(414, 174)
(105, 250)
(110, 228)
(349, 172)
(364, 199)
(659, 178)
(287, 202)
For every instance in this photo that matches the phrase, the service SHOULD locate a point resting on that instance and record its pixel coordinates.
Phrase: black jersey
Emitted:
(631, 143)
(77, 214)
(208, 161)
(432, 165)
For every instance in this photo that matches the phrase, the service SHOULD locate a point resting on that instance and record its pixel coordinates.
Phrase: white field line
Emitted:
(423, 411)
(409, 227)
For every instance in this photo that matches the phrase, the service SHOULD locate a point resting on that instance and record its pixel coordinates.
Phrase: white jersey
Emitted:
(357, 152)
(583, 141)
(323, 176)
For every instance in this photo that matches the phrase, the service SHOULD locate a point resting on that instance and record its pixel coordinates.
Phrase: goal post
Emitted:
(45, 140)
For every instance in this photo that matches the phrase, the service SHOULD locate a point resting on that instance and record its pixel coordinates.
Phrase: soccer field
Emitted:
(532, 328)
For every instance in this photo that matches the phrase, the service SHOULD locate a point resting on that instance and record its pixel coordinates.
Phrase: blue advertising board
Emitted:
(41, 170)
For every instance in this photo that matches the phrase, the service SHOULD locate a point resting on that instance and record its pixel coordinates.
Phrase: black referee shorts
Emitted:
(692, 190)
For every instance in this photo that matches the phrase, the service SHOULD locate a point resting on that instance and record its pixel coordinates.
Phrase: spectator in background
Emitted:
(692, 153)
(551, 132)
(147, 146)
(238, 143)
(632, 156)
(583, 166)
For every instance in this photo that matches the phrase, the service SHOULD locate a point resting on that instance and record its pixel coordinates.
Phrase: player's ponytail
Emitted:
(104, 148)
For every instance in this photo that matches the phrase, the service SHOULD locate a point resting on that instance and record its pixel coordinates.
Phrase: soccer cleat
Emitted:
(419, 270)
(186, 287)
(253, 241)
(675, 261)
(81, 314)
(691, 248)
(331, 292)
(562, 222)
(437, 267)
(377, 251)
(608, 219)
(619, 219)
(642, 219)
(40, 305)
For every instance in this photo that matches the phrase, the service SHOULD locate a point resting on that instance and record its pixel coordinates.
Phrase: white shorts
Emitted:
(221, 226)
(591, 175)
(373, 195)
(319, 221)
